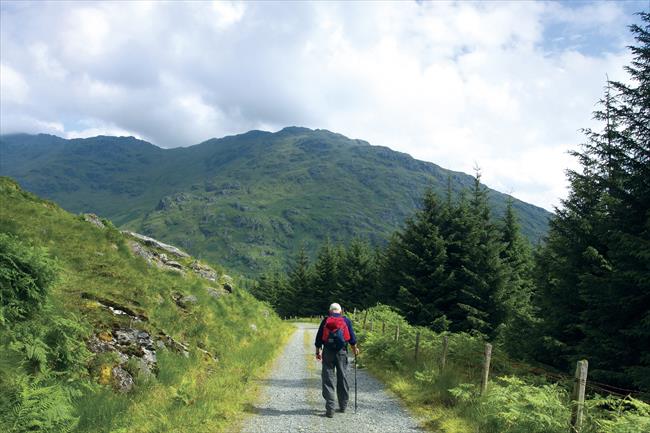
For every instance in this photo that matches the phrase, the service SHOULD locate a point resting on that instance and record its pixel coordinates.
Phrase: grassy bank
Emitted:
(215, 344)
(519, 399)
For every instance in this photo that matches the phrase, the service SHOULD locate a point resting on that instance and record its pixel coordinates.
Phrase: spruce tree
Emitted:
(301, 293)
(413, 269)
(518, 262)
(357, 276)
(595, 289)
(477, 280)
(326, 276)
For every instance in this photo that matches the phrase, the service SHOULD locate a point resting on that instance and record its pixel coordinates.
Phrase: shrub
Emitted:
(513, 406)
(26, 273)
(616, 415)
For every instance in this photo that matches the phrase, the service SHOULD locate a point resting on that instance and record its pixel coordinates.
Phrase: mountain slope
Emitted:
(247, 200)
(169, 334)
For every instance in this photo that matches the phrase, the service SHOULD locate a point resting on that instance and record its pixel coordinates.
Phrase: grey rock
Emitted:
(173, 264)
(157, 244)
(122, 379)
(94, 220)
(204, 271)
(141, 251)
(174, 345)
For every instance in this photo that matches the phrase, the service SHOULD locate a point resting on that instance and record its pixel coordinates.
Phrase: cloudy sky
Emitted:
(505, 85)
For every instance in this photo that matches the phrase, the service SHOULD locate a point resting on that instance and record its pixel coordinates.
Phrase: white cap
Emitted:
(335, 307)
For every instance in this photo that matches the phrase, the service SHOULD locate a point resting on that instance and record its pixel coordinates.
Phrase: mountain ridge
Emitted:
(248, 200)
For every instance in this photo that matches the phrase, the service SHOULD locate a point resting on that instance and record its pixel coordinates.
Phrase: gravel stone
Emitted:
(292, 401)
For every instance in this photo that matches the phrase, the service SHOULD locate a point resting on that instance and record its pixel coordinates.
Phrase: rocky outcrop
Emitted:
(151, 242)
(204, 271)
(128, 344)
(135, 349)
(117, 309)
(171, 259)
(94, 220)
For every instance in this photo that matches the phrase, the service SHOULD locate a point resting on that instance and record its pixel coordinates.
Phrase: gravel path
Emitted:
(292, 400)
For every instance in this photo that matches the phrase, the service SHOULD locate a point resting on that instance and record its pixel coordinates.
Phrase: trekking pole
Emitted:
(355, 383)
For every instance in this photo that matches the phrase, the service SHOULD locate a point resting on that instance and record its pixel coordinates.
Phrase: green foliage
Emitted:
(247, 201)
(26, 273)
(615, 415)
(32, 405)
(448, 400)
(512, 406)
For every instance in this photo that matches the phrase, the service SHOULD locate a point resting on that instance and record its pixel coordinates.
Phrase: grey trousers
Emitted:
(335, 361)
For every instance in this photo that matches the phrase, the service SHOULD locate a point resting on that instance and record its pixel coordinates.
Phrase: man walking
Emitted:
(334, 334)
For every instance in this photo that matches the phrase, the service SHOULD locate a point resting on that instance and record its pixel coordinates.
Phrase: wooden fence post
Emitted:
(372, 326)
(417, 345)
(578, 395)
(397, 332)
(354, 314)
(445, 347)
(365, 317)
(486, 367)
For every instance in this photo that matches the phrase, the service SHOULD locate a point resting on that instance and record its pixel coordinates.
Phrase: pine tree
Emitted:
(357, 276)
(518, 261)
(476, 285)
(413, 265)
(595, 289)
(326, 276)
(301, 292)
(520, 330)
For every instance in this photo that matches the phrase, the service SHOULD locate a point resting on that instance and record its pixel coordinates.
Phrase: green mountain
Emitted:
(246, 201)
(102, 330)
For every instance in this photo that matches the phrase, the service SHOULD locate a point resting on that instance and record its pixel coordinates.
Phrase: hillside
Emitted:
(100, 329)
(246, 201)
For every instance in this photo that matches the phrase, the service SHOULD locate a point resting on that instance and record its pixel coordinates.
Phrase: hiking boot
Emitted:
(341, 410)
(329, 414)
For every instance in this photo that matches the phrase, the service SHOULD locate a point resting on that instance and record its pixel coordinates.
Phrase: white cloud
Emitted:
(454, 83)
(13, 87)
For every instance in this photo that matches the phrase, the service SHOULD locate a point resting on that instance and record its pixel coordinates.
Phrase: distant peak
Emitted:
(294, 130)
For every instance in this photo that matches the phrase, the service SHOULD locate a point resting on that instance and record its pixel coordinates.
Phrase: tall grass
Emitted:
(188, 394)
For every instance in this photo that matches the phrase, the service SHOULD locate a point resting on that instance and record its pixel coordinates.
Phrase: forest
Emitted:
(584, 292)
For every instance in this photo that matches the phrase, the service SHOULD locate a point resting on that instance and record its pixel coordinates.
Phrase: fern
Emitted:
(36, 406)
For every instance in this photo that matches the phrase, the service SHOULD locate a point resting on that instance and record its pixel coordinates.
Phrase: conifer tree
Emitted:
(596, 284)
(475, 289)
(301, 293)
(518, 261)
(357, 276)
(413, 265)
(326, 276)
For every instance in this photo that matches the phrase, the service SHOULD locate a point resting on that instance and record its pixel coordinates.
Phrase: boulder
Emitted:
(122, 379)
(227, 283)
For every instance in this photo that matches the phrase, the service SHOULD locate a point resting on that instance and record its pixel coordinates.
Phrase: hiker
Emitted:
(334, 334)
